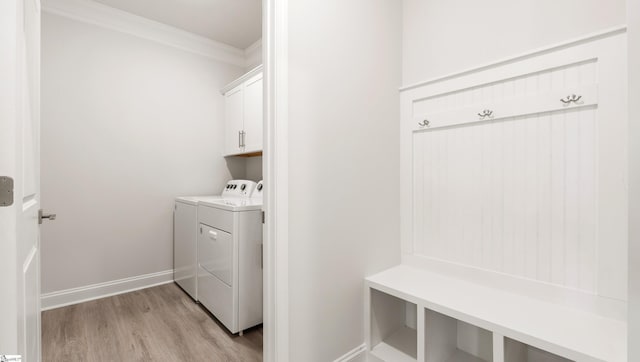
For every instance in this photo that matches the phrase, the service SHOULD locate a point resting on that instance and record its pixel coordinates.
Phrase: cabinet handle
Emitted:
(213, 235)
(242, 136)
(239, 139)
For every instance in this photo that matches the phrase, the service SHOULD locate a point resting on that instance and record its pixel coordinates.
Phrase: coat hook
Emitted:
(572, 98)
(424, 123)
(487, 113)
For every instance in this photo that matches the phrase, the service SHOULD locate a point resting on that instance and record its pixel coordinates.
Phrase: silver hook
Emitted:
(424, 123)
(572, 98)
(487, 113)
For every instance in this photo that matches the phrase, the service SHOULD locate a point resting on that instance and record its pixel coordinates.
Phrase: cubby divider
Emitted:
(392, 336)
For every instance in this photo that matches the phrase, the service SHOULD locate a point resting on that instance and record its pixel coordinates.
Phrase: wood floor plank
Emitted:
(156, 324)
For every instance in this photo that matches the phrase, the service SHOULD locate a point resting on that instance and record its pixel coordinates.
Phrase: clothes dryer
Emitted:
(230, 258)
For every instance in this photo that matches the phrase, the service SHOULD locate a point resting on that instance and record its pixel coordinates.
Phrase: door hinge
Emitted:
(6, 191)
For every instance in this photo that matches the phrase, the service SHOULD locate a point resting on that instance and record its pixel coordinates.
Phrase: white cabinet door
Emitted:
(253, 114)
(233, 108)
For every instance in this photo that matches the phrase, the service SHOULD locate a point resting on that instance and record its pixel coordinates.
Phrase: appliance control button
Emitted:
(243, 186)
(260, 187)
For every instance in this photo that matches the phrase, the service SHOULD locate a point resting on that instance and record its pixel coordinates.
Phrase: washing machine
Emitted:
(229, 273)
(185, 243)
(185, 233)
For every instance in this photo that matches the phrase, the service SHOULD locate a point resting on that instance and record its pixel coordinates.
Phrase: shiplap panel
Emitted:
(509, 198)
(580, 205)
(517, 195)
(543, 196)
(419, 181)
(557, 210)
(588, 186)
(531, 200)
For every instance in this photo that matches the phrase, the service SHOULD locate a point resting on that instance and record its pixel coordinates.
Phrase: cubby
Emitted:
(515, 351)
(393, 332)
(450, 340)
(421, 316)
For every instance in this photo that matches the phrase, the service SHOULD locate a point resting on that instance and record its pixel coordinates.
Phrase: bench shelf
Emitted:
(515, 351)
(418, 315)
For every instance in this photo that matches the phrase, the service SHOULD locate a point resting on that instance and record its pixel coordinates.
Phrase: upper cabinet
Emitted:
(243, 114)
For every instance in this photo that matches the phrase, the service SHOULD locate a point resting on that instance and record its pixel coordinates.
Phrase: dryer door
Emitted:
(215, 252)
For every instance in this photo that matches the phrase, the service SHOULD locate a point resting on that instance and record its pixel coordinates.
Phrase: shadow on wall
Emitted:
(245, 168)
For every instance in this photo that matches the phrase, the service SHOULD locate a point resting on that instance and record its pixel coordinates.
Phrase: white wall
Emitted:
(633, 16)
(441, 37)
(127, 125)
(344, 70)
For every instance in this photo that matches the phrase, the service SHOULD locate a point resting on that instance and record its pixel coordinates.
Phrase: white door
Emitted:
(20, 160)
(253, 114)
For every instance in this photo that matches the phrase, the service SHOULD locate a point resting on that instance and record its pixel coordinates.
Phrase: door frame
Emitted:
(633, 43)
(275, 166)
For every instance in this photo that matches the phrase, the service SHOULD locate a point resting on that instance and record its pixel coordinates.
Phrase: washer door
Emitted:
(215, 253)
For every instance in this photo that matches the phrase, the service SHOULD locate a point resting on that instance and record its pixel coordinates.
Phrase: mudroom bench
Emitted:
(417, 315)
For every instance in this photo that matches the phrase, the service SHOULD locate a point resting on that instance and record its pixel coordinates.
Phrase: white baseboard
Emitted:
(96, 291)
(356, 354)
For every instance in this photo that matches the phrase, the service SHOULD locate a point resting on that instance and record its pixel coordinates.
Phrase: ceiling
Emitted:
(234, 22)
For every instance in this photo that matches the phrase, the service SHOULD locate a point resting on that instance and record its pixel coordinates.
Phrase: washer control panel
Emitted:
(239, 188)
(258, 191)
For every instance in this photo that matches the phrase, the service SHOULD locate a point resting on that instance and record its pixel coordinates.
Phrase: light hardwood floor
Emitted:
(156, 324)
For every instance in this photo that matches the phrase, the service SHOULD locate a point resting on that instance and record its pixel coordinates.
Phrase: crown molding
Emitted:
(94, 13)
(253, 47)
(242, 79)
(253, 54)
